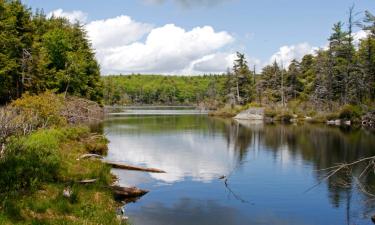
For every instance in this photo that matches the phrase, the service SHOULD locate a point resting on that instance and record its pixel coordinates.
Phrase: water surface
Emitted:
(269, 170)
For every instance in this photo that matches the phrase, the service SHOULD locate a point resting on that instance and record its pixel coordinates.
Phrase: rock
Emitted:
(334, 122)
(67, 193)
(373, 219)
(368, 120)
(251, 114)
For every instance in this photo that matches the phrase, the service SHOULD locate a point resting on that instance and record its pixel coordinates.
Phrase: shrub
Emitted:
(96, 145)
(270, 113)
(46, 110)
(350, 112)
(284, 117)
(46, 106)
(30, 160)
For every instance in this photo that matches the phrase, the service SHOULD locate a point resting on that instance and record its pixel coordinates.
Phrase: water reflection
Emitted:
(180, 151)
(272, 165)
(188, 212)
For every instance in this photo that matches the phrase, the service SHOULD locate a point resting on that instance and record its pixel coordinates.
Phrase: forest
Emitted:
(39, 53)
(340, 74)
(52, 121)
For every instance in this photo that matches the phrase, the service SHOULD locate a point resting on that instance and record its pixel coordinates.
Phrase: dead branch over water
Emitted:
(331, 171)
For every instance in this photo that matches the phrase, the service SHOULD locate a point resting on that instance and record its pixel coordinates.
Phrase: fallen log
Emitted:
(87, 181)
(89, 156)
(128, 192)
(129, 167)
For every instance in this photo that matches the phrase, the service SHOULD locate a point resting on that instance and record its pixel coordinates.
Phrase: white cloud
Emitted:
(114, 32)
(289, 52)
(167, 50)
(218, 63)
(72, 16)
(359, 35)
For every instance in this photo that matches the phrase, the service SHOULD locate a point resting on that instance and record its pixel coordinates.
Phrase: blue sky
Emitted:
(258, 28)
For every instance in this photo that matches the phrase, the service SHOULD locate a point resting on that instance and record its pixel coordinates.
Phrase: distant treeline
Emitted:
(39, 53)
(158, 89)
(341, 74)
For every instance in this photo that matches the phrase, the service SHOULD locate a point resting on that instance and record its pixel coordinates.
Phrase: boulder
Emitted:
(251, 114)
(368, 120)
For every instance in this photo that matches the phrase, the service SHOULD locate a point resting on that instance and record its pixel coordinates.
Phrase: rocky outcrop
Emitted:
(251, 114)
(368, 120)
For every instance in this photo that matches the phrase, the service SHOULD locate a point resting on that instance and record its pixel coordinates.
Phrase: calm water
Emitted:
(270, 169)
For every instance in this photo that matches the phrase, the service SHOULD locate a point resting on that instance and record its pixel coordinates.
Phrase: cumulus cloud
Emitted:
(289, 52)
(126, 46)
(359, 35)
(167, 50)
(217, 63)
(189, 3)
(72, 16)
(114, 32)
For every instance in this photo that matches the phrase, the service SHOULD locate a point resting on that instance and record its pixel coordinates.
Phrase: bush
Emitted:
(46, 110)
(46, 107)
(30, 160)
(350, 112)
(270, 113)
(284, 117)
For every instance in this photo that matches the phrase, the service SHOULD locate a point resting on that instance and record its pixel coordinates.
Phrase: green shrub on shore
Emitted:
(350, 112)
(270, 113)
(29, 161)
(284, 117)
(38, 167)
(227, 111)
(46, 110)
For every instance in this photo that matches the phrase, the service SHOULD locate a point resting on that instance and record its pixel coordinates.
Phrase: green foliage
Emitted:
(157, 89)
(38, 167)
(46, 110)
(284, 117)
(46, 107)
(30, 160)
(271, 113)
(39, 54)
(240, 82)
(350, 112)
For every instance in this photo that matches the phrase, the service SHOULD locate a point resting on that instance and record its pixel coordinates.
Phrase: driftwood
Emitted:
(89, 156)
(87, 181)
(128, 192)
(129, 167)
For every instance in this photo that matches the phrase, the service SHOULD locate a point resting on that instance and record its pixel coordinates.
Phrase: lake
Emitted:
(270, 170)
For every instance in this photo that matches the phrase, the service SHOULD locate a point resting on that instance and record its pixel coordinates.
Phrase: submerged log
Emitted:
(129, 167)
(128, 192)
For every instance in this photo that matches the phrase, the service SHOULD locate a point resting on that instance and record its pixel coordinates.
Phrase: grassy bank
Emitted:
(39, 165)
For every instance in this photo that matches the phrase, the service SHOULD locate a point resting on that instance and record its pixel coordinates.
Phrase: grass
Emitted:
(227, 111)
(41, 165)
